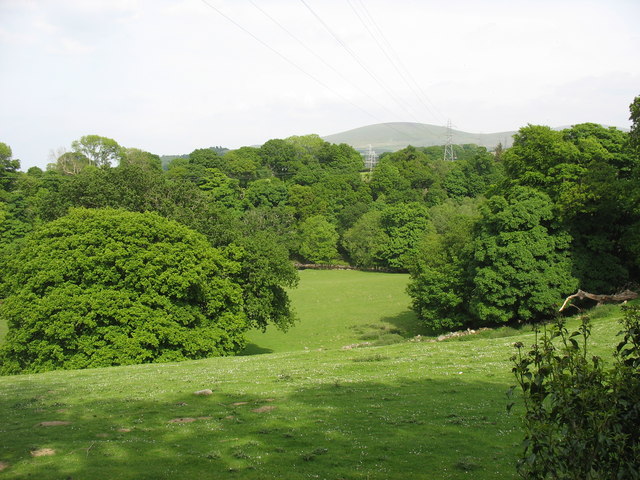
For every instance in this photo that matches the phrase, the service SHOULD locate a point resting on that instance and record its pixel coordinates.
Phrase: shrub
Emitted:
(581, 420)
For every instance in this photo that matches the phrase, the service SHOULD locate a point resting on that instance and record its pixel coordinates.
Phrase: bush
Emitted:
(581, 420)
(110, 287)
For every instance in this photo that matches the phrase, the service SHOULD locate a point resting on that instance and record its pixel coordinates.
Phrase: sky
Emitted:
(170, 76)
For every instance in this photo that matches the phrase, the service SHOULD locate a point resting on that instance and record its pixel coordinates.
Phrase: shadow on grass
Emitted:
(340, 428)
(408, 324)
(254, 349)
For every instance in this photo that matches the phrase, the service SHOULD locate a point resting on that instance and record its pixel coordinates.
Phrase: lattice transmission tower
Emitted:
(448, 147)
(370, 159)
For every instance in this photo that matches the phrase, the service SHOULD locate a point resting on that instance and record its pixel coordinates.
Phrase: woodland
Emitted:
(110, 257)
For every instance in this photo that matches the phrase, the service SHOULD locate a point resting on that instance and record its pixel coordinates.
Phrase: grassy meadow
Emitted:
(342, 307)
(397, 409)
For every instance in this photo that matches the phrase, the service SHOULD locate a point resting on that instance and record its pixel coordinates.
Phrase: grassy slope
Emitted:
(410, 410)
(338, 308)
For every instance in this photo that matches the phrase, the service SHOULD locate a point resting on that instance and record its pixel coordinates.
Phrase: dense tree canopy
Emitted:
(565, 215)
(108, 287)
(521, 264)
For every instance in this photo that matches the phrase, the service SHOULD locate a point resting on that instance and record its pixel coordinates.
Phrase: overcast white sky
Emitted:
(169, 76)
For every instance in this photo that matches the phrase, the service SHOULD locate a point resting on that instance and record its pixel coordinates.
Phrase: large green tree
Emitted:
(589, 172)
(109, 287)
(521, 265)
(366, 240)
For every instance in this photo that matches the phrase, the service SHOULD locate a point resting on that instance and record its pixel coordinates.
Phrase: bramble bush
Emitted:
(581, 418)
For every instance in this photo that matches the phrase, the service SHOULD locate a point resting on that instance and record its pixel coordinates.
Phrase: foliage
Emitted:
(8, 168)
(439, 286)
(110, 287)
(472, 177)
(634, 135)
(590, 173)
(264, 274)
(280, 156)
(318, 240)
(267, 192)
(242, 164)
(70, 163)
(405, 224)
(100, 151)
(580, 418)
(365, 241)
(146, 160)
(521, 264)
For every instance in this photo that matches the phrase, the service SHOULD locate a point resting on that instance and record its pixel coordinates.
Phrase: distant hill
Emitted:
(390, 137)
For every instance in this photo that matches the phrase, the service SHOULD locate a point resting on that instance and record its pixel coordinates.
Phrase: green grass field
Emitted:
(338, 308)
(402, 411)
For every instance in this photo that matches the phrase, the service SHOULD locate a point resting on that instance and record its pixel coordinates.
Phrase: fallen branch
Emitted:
(618, 297)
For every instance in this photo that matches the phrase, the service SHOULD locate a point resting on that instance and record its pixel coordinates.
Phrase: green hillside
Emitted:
(405, 411)
(386, 137)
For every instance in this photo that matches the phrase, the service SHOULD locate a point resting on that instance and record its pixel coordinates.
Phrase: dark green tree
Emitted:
(634, 135)
(265, 273)
(521, 265)
(588, 172)
(8, 168)
(281, 157)
(473, 176)
(405, 225)
(266, 192)
(243, 164)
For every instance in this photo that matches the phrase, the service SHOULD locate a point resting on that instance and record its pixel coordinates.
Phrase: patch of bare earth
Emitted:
(53, 423)
(43, 452)
(182, 420)
(3, 466)
(264, 409)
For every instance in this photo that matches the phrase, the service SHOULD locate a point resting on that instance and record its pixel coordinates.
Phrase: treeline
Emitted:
(565, 216)
(308, 195)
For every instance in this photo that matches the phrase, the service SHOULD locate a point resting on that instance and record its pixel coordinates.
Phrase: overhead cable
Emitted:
(286, 59)
(355, 57)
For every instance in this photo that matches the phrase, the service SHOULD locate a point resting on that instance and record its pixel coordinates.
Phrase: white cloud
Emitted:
(172, 75)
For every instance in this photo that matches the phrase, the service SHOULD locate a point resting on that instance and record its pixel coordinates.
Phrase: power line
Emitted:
(319, 57)
(423, 95)
(286, 59)
(355, 57)
(388, 57)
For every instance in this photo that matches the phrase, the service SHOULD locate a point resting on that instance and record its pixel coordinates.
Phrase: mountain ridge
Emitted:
(392, 136)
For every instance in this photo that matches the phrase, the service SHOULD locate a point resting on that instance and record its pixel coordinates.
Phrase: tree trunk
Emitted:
(618, 297)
